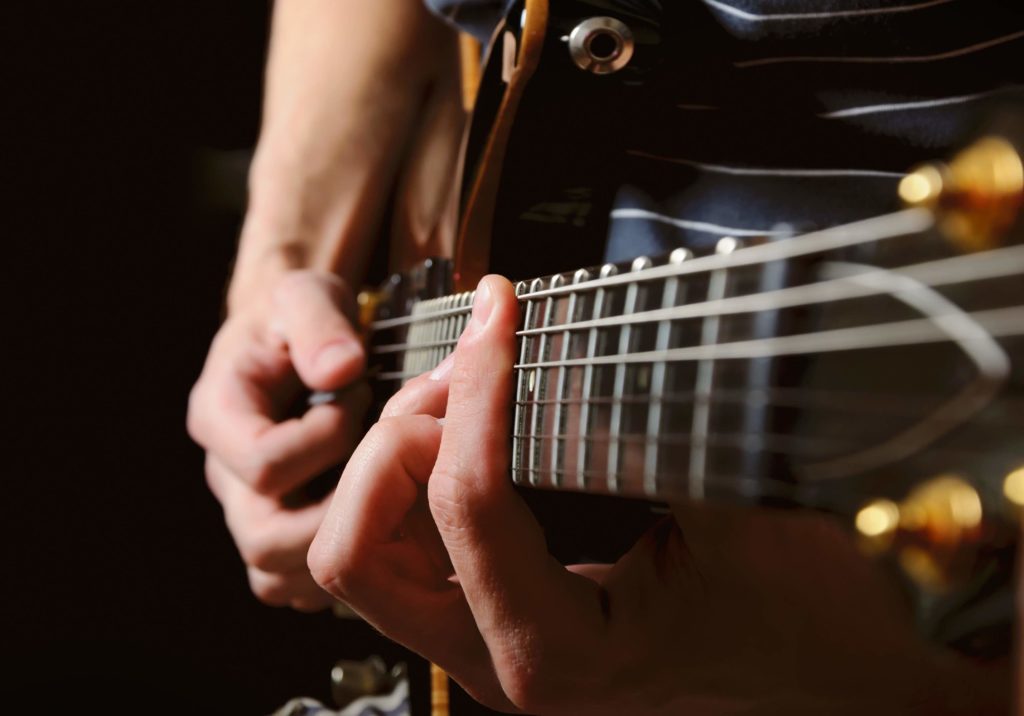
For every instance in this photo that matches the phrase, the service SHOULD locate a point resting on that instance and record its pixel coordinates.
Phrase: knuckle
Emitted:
(322, 568)
(526, 686)
(401, 401)
(308, 605)
(258, 553)
(337, 572)
(446, 495)
(194, 423)
(213, 483)
(386, 431)
(269, 592)
(262, 472)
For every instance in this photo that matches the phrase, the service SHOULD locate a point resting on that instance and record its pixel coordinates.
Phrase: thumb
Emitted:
(497, 548)
(326, 351)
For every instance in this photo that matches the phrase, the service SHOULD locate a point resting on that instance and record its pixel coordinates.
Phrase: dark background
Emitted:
(126, 127)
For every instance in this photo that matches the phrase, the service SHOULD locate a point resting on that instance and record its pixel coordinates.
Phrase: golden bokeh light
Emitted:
(1013, 487)
(878, 518)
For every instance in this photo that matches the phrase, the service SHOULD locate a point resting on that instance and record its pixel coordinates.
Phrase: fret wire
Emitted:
(411, 336)
(445, 336)
(540, 386)
(443, 327)
(519, 451)
(459, 323)
(582, 451)
(428, 329)
(433, 335)
(619, 384)
(456, 326)
(670, 297)
(705, 378)
(558, 448)
(901, 223)
(423, 359)
(449, 331)
(463, 320)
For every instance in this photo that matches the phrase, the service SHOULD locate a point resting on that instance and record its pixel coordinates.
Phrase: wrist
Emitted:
(292, 222)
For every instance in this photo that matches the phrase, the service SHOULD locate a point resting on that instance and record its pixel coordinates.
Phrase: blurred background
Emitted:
(127, 131)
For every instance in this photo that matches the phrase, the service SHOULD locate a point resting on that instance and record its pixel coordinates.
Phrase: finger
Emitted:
(274, 458)
(378, 489)
(325, 349)
(269, 537)
(426, 394)
(293, 589)
(366, 555)
(516, 590)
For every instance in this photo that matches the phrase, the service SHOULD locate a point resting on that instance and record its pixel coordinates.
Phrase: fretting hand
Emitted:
(726, 611)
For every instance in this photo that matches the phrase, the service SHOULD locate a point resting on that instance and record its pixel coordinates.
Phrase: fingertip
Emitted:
(497, 297)
(494, 307)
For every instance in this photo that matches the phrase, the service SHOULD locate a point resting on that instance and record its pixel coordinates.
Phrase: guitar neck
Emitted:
(687, 377)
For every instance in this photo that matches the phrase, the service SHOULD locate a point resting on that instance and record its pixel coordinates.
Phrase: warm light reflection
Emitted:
(1013, 487)
(965, 506)
(878, 518)
(921, 187)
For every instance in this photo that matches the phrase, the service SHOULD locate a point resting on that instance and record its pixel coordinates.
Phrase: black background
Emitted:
(122, 590)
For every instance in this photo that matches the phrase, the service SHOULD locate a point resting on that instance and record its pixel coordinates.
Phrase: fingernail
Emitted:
(483, 304)
(333, 356)
(443, 368)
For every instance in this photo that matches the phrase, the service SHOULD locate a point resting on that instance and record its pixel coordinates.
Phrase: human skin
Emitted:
(717, 611)
(351, 86)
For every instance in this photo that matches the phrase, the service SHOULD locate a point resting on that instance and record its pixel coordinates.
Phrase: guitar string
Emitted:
(835, 400)
(776, 443)
(673, 483)
(759, 487)
(930, 272)
(1007, 321)
(902, 223)
(959, 269)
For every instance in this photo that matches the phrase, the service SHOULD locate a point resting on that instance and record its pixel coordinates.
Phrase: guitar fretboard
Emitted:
(670, 378)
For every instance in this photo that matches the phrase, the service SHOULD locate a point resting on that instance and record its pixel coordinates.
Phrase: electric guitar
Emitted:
(873, 371)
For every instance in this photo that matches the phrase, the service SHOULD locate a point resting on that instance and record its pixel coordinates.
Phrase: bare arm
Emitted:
(347, 84)
(345, 81)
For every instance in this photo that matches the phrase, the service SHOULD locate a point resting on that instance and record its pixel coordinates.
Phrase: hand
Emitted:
(257, 452)
(724, 611)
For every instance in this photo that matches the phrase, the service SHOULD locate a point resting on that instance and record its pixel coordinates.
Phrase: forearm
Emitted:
(345, 79)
